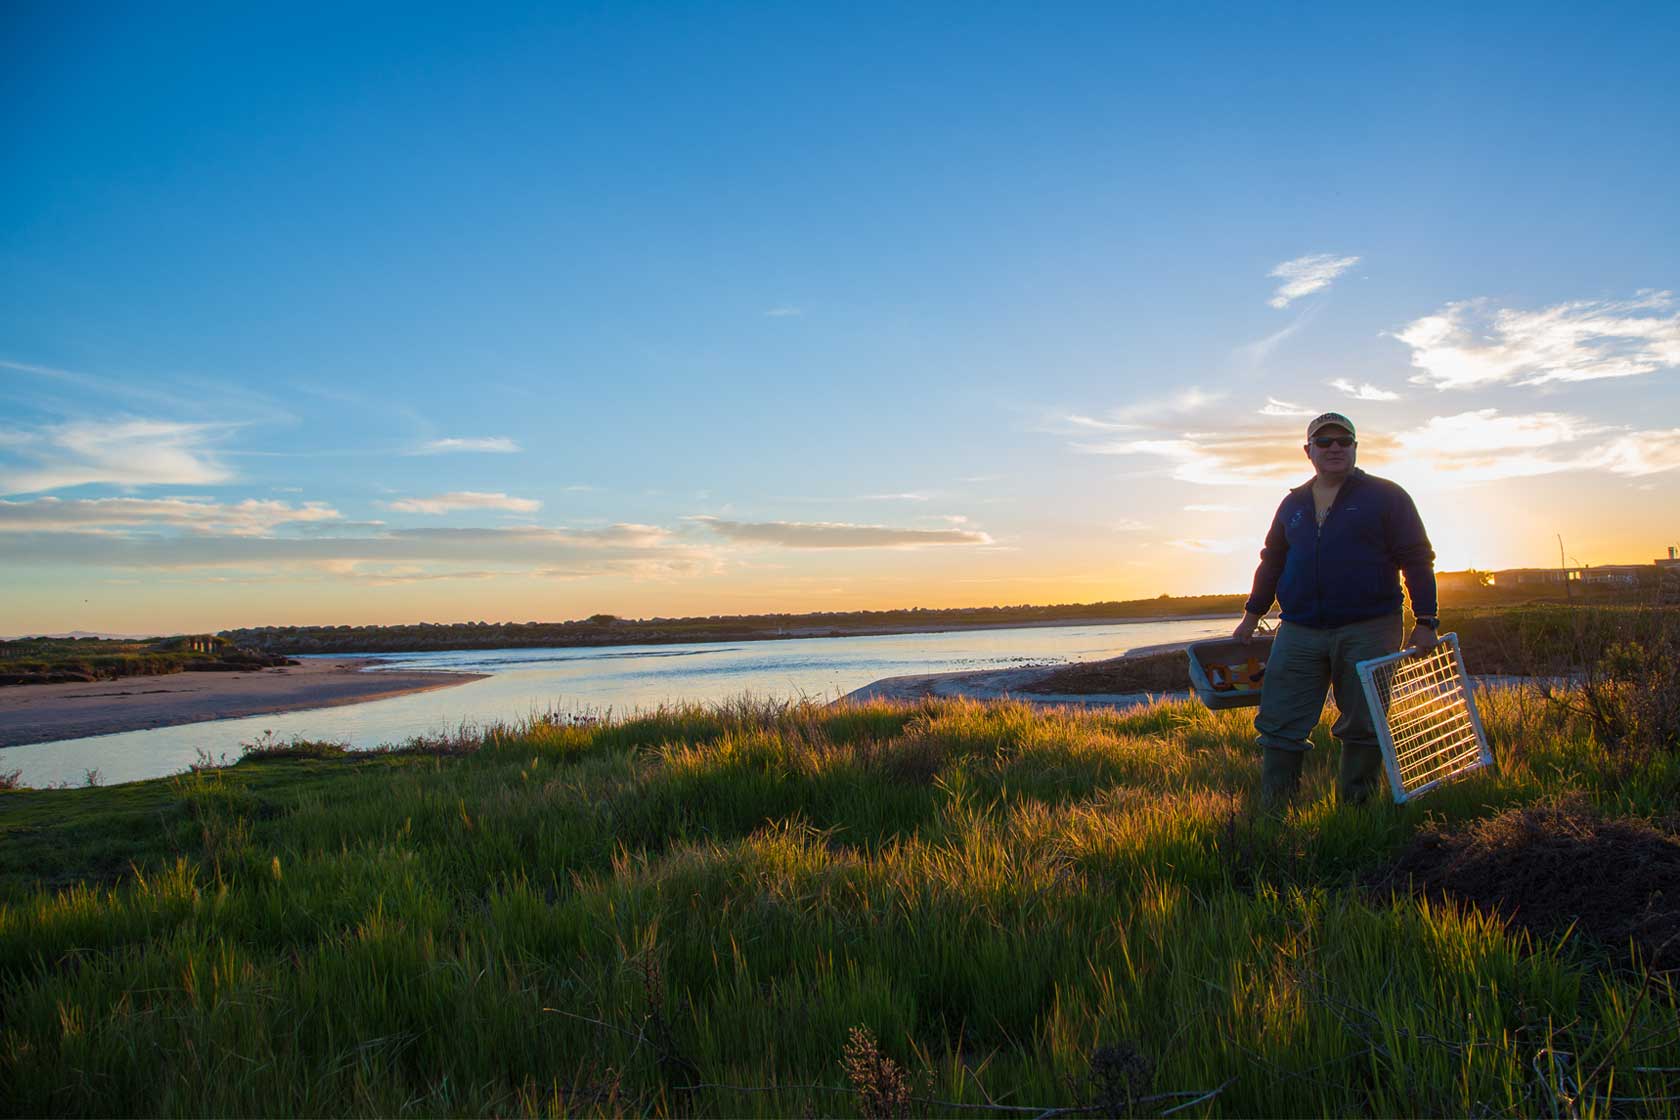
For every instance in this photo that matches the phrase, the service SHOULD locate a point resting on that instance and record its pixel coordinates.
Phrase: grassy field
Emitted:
(941, 909)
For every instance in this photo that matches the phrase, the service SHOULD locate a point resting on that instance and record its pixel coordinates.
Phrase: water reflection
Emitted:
(608, 680)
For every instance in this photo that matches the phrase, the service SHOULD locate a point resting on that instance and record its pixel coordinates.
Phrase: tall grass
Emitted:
(946, 907)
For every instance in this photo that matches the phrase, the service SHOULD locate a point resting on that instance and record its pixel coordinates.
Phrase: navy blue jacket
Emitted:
(1348, 570)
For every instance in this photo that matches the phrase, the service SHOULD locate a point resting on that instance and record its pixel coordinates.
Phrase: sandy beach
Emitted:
(39, 713)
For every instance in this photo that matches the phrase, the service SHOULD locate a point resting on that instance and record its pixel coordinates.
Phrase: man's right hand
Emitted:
(1245, 628)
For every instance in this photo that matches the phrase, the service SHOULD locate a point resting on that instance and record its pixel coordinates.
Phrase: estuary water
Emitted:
(594, 680)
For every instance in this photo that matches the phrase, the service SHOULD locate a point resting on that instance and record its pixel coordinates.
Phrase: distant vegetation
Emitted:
(889, 910)
(65, 660)
(606, 629)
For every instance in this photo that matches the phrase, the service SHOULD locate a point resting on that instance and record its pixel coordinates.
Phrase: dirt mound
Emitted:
(1156, 672)
(1545, 867)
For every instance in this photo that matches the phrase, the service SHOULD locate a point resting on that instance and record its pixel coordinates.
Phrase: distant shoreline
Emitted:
(793, 635)
(44, 713)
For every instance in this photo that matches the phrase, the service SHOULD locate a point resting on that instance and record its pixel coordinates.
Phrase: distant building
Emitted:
(1535, 577)
(193, 643)
(1618, 575)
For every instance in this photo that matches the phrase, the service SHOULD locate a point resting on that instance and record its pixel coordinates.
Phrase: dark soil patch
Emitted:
(1156, 672)
(1617, 879)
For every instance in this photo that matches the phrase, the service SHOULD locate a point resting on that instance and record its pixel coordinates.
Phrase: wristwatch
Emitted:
(1429, 620)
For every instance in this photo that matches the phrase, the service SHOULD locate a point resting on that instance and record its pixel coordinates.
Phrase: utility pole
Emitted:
(1563, 570)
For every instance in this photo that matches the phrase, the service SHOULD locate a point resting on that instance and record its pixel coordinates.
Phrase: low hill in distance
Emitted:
(606, 629)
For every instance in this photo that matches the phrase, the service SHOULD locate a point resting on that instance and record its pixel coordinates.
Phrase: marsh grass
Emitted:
(942, 908)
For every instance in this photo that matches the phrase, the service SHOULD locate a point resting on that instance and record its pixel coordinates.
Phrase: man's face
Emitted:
(1336, 459)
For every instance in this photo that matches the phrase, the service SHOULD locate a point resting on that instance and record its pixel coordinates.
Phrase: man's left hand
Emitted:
(1423, 637)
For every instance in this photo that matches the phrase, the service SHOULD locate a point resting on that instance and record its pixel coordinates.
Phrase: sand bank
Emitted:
(998, 684)
(39, 713)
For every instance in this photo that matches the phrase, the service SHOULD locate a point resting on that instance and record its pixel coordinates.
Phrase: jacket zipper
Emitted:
(1318, 540)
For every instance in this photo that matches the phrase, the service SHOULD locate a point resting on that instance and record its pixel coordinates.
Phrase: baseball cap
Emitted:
(1330, 419)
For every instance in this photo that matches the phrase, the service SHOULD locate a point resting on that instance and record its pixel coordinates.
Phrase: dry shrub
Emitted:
(881, 1084)
(270, 746)
(1546, 867)
(1119, 1075)
(1616, 667)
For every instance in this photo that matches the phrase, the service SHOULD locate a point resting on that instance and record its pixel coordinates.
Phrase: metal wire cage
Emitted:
(1425, 716)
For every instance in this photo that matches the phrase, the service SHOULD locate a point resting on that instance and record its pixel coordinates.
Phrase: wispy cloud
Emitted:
(1236, 458)
(1642, 453)
(1306, 275)
(1131, 525)
(1255, 353)
(1275, 407)
(127, 452)
(252, 517)
(1217, 547)
(1472, 343)
(1485, 445)
(1143, 413)
(495, 445)
(785, 313)
(637, 551)
(458, 500)
(906, 496)
(828, 534)
(1363, 392)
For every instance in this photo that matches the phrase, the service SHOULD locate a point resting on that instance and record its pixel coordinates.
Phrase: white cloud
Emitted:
(127, 452)
(1364, 392)
(1275, 407)
(1642, 453)
(1143, 413)
(1485, 445)
(784, 313)
(828, 534)
(1131, 525)
(1472, 343)
(1238, 458)
(1306, 275)
(251, 517)
(440, 504)
(907, 496)
(496, 445)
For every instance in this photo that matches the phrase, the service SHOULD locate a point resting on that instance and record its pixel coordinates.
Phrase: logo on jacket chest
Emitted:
(1296, 519)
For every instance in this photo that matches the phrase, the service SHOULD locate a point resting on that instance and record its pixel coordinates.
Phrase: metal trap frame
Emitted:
(1425, 715)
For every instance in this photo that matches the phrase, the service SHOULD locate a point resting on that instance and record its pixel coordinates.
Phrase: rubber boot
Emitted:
(1280, 777)
(1360, 773)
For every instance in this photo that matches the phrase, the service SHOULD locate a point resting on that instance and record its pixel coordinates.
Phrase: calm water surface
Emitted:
(594, 680)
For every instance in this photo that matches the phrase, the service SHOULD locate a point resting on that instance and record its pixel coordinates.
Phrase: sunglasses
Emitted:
(1323, 442)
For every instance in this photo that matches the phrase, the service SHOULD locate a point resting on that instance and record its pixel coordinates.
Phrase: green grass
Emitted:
(597, 919)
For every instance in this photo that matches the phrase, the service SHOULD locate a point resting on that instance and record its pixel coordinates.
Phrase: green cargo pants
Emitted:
(1304, 663)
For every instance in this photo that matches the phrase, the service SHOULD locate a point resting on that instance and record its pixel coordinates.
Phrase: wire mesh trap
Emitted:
(1426, 718)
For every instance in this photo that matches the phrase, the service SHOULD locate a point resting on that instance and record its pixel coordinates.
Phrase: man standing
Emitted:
(1333, 559)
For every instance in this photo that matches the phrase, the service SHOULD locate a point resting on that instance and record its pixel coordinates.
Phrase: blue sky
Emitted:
(386, 315)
